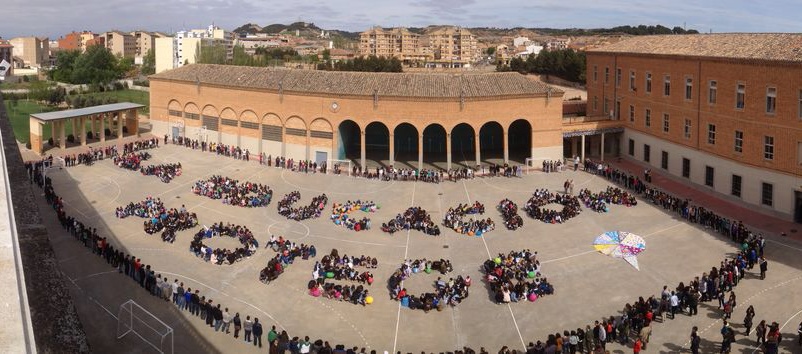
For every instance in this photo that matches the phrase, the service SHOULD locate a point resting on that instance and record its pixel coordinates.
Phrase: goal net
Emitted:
(134, 319)
(529, 165)
(342, 167)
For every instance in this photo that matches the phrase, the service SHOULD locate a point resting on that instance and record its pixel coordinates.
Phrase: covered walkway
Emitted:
(116, 118)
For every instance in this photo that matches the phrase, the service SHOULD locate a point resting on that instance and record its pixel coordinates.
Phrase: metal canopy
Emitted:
(88, 111)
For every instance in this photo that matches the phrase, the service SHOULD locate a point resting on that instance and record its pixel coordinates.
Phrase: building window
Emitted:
(736, 186)
(631, 113)
(618, 77)
(631, 147)
(767, 194)
(664, 160)
(595, 103)
(688, 88)
(739, 141)
(768, 147)
(740, 93)
(667, 85)
(617, 110)
(712, 92)
(648, 118)
(665, 122)
(799, 109)
(771, 100)
(647, 152)
(799, 153)
(649, 84)
(607, 107)
(632, 80)
(709, 176)
(687, 131)
(606, 75)
(686, 168)
(711, 134)
(595, 73)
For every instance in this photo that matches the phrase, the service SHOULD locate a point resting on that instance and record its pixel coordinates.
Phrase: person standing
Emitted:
(257, 332)
(760, 330)
(237, 325)
(764, 266)
(750, 313)
(636, 348)
(645, 334)
(248, 327)
(226, 321)
(799, 332)
(695, 340)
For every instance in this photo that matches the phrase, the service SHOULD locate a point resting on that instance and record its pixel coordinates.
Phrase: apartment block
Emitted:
(121, 44)
(34, 51)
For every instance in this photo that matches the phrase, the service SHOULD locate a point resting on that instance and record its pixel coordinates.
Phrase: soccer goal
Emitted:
(132, 318)
(343, 166)
(529, 165)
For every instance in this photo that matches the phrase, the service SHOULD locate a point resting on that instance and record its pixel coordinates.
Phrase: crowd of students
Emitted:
(341, 214)
(599, 202)
(445, 293)
(509, 212)
(414, 218)
(552, 165)
(165, 172)
(453, 219)
(535, 206)
(159, 218)
(220, 255)
(313, 210)
(130, 161)
(516, 277)
(334, 267)
(286, 253)
(232, 192)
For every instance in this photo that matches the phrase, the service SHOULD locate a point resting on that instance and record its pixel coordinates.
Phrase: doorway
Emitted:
(798, 207)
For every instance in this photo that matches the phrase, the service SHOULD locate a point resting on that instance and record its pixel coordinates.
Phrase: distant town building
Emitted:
(121, 44)
(79, 41)
(520, 41)
(451, 47)
(441, 47)
(174, 52)
(398, 43)
(145, 41)
(34, 51)
(252, 42)
(6, 59)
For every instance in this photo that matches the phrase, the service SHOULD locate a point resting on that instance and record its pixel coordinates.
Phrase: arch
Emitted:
(349, 141)
(491, 140)
(271, 129)
(377, 142)
(191, 108)
(210, 111)
(295, 122)
(405, 145)
(228, 113)
(434, 143)
(321, 125)
(174, 105)
(272, 119)
(249, 116)
(520, 140)
(463, 144)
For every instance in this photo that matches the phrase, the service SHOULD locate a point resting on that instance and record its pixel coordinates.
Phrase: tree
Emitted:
(149, 63)
(490, 51)
(96, 66)
(211, 53)
(65, 64)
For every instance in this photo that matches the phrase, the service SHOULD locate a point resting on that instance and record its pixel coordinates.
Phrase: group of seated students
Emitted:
(233, 192)
(541, 197)
(165, 172)
(450, 292)
(414, 218)
(218, 255)
(509, 211)
(313, 210)
(354, 293)
(159, 218)
(332, 266)
(340, 214)
(598, 202)
(453, 220)
(131, 160)
(516, 277)
(286, 251)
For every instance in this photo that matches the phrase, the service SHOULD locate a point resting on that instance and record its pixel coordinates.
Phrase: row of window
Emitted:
(767, 189)
(712, 89)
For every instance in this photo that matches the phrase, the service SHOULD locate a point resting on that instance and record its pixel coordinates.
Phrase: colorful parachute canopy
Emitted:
(620, 244)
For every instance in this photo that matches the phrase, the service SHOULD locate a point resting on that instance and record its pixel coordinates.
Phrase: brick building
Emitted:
(321, 115)
(723, 111)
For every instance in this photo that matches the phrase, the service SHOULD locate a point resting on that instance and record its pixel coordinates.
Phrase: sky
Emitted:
(52, 18)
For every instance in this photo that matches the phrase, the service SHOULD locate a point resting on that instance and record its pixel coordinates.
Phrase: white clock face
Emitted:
(335, 106)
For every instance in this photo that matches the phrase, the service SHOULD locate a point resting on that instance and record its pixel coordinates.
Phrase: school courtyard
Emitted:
(588, 285)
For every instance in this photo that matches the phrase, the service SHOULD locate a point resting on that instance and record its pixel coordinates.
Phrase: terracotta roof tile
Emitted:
(760, 46)
(429, 85)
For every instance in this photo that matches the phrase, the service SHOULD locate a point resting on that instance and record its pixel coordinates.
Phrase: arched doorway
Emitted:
(520, 135)
(463, 145)
(405, 143)
(491, 142)
(434, 145)
(377, 144)
(349, 140)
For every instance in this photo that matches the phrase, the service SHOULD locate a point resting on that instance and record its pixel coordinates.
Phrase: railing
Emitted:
(585, 119)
